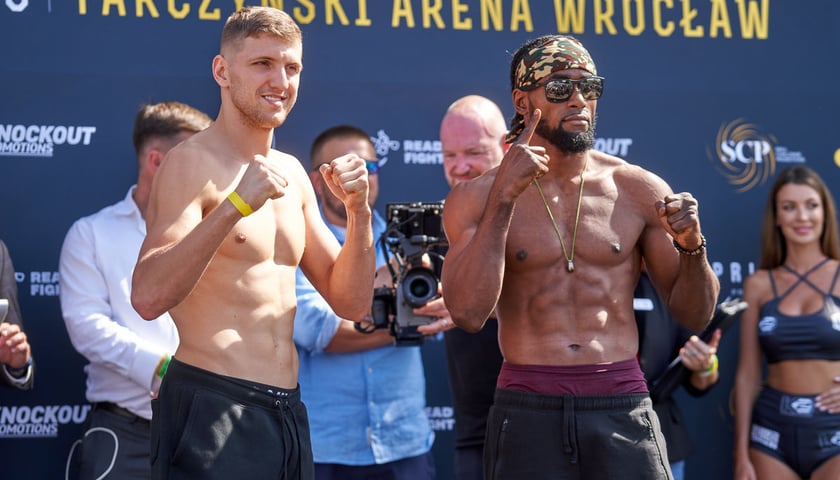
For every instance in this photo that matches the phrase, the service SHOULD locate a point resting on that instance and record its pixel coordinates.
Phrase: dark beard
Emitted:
(568, 142)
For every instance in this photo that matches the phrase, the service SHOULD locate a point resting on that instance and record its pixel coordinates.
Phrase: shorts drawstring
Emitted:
(570, 429)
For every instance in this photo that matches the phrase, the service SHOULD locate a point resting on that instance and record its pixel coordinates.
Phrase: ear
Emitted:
(152, 159)
(317, 182)
(220, 73)
(521, 102)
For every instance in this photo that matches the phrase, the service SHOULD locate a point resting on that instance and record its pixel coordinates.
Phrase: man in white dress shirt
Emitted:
(128, 355)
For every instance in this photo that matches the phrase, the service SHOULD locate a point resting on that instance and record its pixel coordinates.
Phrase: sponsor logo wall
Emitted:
(715, 96)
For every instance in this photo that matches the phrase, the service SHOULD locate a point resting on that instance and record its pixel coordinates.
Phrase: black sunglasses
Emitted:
(561, 89)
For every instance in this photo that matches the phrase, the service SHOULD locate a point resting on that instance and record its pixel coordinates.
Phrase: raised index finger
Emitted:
(528, 132)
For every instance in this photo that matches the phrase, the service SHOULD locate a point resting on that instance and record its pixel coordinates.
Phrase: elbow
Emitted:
(146, 298)
(470, 318)
(145, 306)
(700, 324)
(469, 328)
(706, 319)
(468, 323)
(696, 319)
(353, 311)
(695, 326)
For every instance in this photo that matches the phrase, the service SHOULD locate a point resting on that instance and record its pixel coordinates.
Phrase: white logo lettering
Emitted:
(40, 420)
(765, 436)
(614, 146)
(441, 418)
(40, 140)
(767, 324)
(18, 6)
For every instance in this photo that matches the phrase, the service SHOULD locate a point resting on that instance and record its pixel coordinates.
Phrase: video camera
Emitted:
(413, 230)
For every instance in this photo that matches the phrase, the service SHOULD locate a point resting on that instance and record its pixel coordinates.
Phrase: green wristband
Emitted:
(164, 365)
(712, 368)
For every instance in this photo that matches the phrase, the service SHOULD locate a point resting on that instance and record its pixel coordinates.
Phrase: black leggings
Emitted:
(211, 426)
(542, 437)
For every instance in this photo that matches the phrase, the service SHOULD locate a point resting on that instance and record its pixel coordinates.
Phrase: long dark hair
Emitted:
(773, 244)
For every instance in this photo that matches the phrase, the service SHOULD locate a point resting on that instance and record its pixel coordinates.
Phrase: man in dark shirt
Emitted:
(17, 370)
(472, 141)
(661, 339)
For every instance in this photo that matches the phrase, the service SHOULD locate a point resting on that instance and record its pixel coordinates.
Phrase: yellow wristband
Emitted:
(240, 204)
(712, 368)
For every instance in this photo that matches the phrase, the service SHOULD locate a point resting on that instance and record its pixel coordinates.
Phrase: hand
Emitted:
(523, 162)
(14, 346)
(435, 308)
(262, 180)
(679, 217)
(829, 400)
(347, 179)
(382, 277)
(153, 394)
(744, 470)
(696, 355)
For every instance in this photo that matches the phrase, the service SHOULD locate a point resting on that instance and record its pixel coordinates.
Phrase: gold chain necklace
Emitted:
(570, 258)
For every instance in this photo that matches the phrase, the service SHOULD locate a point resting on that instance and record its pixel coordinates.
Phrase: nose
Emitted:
(459, 166)
(577, 96)
(279, 78)
(802, 213)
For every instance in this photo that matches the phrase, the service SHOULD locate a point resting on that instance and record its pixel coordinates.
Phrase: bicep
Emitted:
(459, 226)
(176, 206)
(661, 259)
(321, 248)
(319, 255)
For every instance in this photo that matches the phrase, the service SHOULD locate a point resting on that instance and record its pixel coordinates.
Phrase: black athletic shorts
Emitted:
(210, 426)
(565, 437)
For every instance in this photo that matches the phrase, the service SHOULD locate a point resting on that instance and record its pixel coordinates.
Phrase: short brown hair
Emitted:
(340, 131)
(253, 21)
(166, 120)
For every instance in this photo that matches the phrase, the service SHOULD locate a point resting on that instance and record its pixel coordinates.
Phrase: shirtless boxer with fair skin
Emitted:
(229, 221)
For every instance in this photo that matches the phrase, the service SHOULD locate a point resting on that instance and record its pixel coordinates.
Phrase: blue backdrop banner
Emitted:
(715, 96)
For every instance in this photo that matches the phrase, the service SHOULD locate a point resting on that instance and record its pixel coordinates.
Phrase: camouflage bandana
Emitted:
(558, 53)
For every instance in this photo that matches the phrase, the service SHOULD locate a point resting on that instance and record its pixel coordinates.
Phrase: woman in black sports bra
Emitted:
(787, 425)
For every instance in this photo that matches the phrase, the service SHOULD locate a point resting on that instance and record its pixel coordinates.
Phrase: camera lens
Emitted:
(419, 286)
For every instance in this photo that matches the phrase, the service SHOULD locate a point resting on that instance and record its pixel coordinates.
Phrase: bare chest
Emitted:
(602, 231)
(276, 232)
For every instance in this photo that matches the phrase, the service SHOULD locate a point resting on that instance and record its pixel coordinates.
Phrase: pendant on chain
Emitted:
(570, 264)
